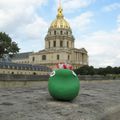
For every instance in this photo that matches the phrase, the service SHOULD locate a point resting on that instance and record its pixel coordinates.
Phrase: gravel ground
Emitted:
(97, 100)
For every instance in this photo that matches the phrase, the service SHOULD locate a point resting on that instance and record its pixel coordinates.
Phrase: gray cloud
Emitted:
(103, 48)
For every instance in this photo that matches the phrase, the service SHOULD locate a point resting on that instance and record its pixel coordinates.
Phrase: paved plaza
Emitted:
(97, 100)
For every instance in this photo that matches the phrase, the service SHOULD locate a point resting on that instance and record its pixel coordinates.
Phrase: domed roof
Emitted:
(60, 22)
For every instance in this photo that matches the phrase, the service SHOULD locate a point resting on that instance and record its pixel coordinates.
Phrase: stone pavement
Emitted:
(97, 100)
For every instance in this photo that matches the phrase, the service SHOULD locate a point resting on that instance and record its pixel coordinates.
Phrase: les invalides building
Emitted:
(59, 47)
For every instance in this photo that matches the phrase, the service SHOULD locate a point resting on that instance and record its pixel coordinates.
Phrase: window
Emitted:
(61, 43)
(49, 44)
(67, 44)
(43, 57)
(12, 73)
(68, 57)
(54, 43)
(67, 32)
(33, 59)
(34, 73)
(54, 32)
(61, 32)
(58, 57)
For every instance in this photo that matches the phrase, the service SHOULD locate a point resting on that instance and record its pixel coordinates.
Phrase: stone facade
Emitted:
(59, 47)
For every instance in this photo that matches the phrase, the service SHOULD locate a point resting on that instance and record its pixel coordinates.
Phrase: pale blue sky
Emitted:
(95, 25)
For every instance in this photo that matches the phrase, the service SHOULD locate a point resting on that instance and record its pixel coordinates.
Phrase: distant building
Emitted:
(59, 47)
(22, 58)
(23, 69)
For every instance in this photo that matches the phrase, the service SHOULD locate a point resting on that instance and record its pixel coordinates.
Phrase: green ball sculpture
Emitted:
(63, 85)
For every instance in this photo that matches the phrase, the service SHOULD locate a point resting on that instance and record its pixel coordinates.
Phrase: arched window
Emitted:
(12, 73)
(54, 32)
(33, 59)
(49, 44)
(61, 43)
(61, 32)
(67, 32)
(58, 57)
(34, 73)
(43, 57)
(68, 57)
(54, 43)
(68, 44)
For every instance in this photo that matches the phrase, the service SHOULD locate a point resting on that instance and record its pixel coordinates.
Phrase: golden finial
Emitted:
(60, 22)
(60, 14)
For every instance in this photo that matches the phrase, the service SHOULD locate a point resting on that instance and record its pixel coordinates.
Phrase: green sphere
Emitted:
(63, 85)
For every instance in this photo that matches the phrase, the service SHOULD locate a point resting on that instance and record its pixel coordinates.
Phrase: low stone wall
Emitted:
(12, 81)
(23, 77)
(20, 84)
(46, 77)
(98, 77)
(20, 81)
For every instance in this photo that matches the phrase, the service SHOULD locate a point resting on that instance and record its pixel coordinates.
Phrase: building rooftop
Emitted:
(10, 65)
(22, 55)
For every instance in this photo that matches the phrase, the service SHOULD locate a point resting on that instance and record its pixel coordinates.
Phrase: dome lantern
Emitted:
(60, 22)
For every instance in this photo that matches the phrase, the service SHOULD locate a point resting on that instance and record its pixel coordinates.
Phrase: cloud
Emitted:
(112, 7)
(14, 13)
(103, 48)
(72, 5)
(19, 19)
(36, 25)
(81, 22)
(12, 4)
(12, 19)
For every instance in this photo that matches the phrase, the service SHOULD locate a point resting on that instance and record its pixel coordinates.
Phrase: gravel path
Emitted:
(96, 101)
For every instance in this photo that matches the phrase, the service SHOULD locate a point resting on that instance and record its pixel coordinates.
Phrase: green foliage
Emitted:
(90, 70)
(7, 46)
(85, 70)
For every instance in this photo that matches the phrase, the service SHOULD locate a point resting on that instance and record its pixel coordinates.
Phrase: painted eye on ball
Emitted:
(52, 74)
(74, 73)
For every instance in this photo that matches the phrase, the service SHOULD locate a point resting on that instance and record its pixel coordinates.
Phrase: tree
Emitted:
(7, 46)
(90, 70)
(85, 70)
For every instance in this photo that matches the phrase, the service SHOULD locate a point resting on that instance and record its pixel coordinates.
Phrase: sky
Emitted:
(95, 25)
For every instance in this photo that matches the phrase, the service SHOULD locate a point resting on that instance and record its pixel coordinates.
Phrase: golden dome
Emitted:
(60, 22)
